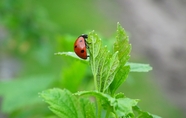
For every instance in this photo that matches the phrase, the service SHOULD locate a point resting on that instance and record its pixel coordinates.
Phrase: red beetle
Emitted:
(80, 46)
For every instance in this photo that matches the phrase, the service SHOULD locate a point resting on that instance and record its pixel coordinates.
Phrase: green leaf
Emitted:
(101, 73)
(97, 94)
(103, 63)
(66, 105)
(95, 59)
(71, 54)
(120, 77)
(125, 106)
(112, 69)
(138, 67)
(88, 108)
(23, 92)
(108, 68)
(122, 106)
(119, 95)
(144, 114)
(61, 103)
(123, 47)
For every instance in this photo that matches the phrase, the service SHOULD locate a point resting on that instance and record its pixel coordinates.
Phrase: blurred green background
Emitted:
(32, 31)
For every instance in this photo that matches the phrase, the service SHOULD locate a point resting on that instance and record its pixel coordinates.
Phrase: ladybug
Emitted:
(80, 46)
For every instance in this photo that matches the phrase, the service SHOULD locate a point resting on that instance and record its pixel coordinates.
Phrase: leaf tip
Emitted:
(118, 23)
(56, 53)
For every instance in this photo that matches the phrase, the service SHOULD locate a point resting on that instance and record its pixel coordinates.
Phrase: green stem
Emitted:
(99, 108)
(95, 82)
(116, 115)
(107, 114)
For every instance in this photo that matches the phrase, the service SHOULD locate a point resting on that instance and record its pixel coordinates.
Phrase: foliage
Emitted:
(29, 35)
(25, 90)
(110, 69)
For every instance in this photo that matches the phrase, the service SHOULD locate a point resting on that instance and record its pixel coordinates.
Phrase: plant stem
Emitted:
(107, 114)
(116, 116)
(95, 82)
(99, 108)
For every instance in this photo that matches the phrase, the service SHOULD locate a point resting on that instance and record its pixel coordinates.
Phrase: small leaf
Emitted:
(105, 98)
(122, 106)
(144, 114)
(119, 95)
(112, 70)
(98, 60)
(61, 102)
(96, 94)
(119, 78)
(103, 64)
(123, 47)
(71, 54)
(64, 104)
(125, 106)
(138, 67)
(102, 70)
(88, 108)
